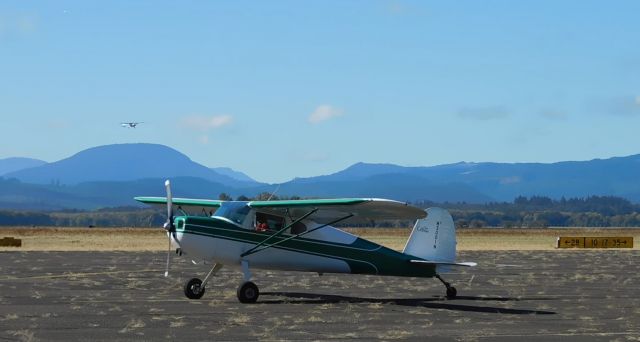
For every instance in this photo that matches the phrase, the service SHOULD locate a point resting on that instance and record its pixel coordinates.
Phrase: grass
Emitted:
(155, 239)
(495, 238)
(87, 239)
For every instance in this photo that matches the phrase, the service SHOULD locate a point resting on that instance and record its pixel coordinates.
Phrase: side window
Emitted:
(266, 222)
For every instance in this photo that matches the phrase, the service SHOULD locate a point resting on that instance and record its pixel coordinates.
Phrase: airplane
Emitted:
(297, 235)
(130, 124)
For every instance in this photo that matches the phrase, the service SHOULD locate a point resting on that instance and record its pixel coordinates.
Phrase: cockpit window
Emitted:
(234, 211)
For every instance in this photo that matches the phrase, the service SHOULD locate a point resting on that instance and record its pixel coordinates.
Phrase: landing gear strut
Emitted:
(451, 291)
(194, 288)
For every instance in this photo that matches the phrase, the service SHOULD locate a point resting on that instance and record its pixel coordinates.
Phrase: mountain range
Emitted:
(122, 163)
(112, 175)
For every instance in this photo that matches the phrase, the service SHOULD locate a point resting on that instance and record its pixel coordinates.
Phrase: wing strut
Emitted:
(250, 251)
(255, 250)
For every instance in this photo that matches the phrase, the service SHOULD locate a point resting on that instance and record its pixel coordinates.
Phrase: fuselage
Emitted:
(223, 239)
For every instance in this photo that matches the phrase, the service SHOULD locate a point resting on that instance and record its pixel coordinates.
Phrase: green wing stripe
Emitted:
(307, 203)
(180, 201)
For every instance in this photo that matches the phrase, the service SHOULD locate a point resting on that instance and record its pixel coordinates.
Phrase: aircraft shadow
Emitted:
(432, 303)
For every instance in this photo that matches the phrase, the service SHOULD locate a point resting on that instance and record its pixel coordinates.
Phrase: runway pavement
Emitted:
(551, 295)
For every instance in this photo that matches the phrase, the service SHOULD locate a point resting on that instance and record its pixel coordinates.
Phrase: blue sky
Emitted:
(280, 89)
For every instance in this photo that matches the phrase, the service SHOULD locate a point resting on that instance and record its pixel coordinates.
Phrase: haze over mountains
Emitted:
(112, 175)
(15, 164)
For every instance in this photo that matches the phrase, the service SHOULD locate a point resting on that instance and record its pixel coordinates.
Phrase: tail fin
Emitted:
(433, 238)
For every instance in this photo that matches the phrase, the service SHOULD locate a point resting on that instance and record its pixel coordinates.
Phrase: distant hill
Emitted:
(9, 165)
(400, 186)
(616, 176)
(21, 196)
(123, 162)
(93, 195)
(237, 175)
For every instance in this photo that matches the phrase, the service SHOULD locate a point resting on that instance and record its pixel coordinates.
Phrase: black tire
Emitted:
(193, 289)
(451, 292)
(248, 292)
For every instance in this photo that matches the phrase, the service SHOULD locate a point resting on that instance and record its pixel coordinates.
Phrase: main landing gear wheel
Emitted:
(451, 292)
(248, 292)
(193, 289)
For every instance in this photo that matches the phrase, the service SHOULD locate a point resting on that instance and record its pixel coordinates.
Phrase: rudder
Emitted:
(433, 238)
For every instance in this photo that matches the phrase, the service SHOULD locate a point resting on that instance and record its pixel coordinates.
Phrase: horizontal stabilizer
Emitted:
(444, 263)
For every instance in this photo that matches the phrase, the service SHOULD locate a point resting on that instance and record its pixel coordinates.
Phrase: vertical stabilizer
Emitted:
(433, 238)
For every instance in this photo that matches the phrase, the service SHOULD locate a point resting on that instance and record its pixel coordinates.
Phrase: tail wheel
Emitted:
(193, 289)
(248, 292)
(451, 292)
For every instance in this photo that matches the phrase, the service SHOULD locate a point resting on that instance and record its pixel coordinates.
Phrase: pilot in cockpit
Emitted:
(262, 226)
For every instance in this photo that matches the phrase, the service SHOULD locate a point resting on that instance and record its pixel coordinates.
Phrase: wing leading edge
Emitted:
(362, 209)
(192, 204)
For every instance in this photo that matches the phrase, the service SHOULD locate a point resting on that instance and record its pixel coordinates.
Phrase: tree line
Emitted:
(542, 212)
(523, 212)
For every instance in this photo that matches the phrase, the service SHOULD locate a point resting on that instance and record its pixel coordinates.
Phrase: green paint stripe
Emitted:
(347, 260)
(256, 237)
(385, 261)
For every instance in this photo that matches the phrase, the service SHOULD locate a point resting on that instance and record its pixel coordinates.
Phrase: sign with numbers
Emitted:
(595, 242)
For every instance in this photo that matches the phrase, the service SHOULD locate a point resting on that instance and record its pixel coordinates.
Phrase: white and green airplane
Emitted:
(297, 235)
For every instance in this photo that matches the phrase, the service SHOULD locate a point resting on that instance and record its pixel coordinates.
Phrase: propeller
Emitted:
(169, 224)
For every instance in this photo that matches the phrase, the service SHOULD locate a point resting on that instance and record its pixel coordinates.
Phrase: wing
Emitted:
(191, 205)
(362, 209)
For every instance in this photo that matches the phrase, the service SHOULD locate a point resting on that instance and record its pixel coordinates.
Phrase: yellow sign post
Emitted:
(595, 242)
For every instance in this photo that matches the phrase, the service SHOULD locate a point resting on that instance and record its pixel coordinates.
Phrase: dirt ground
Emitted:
(556, 295)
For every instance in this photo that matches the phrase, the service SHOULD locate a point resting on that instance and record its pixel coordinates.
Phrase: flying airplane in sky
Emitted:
(130, 124)
(297, 235)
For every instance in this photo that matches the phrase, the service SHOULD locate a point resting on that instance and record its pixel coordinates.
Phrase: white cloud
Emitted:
(207, 123)
(396, 7)
(324, 113)
(57, 124)
(19, 24)
(621, 105)
(27, 24)
(314, 157)
(553, 114)
(483, 113)
(203, 139)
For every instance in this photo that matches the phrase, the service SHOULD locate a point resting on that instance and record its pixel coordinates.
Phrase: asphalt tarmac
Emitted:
(100, 296)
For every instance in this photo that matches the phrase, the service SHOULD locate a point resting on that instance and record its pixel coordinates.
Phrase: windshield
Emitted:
(234, 211)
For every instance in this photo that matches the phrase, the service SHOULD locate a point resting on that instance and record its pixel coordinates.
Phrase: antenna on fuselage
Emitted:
(274, 192)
